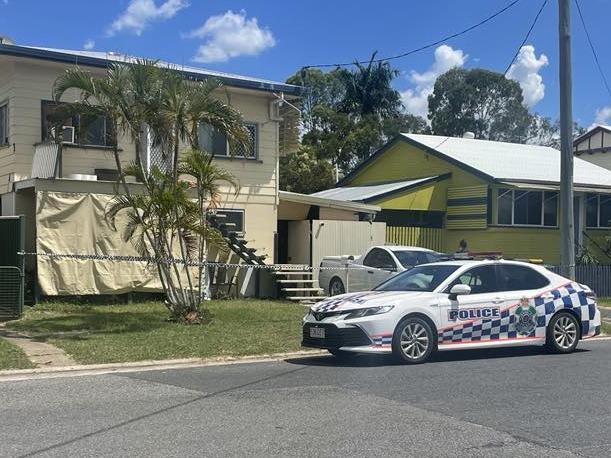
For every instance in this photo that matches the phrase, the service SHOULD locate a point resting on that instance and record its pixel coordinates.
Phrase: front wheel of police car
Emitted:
(413, 340)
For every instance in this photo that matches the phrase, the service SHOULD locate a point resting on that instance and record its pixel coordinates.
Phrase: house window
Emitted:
(527, 208)
(215, 142)
(4, 124)
(598, 211)
(233, 218)
(88, 130)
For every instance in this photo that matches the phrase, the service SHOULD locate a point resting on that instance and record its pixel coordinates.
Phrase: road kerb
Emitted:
(99, 369)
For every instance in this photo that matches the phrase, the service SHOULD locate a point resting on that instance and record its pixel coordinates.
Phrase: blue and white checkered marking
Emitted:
(355, 298)
(380, 341)
(571, 296)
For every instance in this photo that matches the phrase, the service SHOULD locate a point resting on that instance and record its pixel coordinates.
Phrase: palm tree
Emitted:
(369, 91)
(170, 218)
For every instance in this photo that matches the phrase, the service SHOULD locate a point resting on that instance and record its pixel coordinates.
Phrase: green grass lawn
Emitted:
(135, 332)
(11, 357)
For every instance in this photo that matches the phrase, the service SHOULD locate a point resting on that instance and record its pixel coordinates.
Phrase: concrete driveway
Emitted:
(509, 402)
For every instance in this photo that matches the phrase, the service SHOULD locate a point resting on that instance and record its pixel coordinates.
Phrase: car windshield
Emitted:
(409, 258)
(421, 278)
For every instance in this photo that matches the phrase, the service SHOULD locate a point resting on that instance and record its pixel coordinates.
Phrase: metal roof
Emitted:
(511, 161)
(103, 59)
(321, 201)
(370, 192)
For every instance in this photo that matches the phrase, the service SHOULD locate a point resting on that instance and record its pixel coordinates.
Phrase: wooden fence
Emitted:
(425, 237)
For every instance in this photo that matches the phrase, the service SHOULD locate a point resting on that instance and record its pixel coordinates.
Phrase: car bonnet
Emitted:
(352, 301)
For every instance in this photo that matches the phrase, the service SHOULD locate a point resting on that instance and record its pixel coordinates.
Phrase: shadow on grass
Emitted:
(371, 360)
(78, 326)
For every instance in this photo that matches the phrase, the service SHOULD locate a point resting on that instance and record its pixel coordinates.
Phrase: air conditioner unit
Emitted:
(67, 135)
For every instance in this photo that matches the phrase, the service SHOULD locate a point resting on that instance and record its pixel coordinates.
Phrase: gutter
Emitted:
(66, 58)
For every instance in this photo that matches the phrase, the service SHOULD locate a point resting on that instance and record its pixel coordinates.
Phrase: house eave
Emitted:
(66, 58)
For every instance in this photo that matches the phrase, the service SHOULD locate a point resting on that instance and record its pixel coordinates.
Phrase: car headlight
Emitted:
(369, 311)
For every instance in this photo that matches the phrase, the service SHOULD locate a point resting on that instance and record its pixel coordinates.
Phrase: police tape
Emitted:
(188, 262)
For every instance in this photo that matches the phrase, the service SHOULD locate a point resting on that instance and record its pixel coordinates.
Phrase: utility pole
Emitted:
(567, 233)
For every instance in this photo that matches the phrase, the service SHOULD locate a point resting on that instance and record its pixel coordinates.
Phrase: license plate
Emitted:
(317, 333)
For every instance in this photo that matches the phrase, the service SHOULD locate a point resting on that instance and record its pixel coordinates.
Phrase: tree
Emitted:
(481, 101)
(167, 222)
(546, 132)
(348, 114)
(404, 123)
(303, 172)
(321, 89)
(369, 91)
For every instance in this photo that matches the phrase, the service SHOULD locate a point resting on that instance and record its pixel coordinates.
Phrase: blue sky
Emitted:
(273, 39)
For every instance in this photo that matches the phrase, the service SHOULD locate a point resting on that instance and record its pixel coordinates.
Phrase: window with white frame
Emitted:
(598, 211)
(527, 208)
(4, 124)
(215, 142)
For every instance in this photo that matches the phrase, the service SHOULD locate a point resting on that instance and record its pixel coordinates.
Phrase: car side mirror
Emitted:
(459, 290)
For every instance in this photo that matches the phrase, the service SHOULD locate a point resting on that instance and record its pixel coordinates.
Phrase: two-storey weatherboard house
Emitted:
(64, 196)
(64, 208)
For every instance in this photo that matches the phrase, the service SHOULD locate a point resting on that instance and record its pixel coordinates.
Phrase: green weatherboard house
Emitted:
(497, 196)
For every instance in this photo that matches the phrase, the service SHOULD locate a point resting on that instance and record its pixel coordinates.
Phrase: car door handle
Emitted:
(548, 297)
(370, 271)
(498, 300)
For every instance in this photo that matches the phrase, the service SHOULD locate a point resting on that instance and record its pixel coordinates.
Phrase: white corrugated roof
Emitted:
(119, 57)
(361, 193)
(513, 161)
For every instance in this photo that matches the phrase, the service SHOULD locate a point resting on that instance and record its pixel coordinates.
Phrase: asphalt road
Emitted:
(509, 402)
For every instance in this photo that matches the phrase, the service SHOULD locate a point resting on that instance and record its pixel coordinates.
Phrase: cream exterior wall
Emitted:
(26, 82)
(597, 140)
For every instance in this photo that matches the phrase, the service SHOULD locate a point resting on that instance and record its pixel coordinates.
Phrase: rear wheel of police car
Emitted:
(336, 287)
(562, 334)
(413, 340)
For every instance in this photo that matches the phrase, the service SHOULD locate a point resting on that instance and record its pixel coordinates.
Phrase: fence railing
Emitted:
(426, 237)
(596, 277)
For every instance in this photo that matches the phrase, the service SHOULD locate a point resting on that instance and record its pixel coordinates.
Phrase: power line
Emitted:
(532, 26)
(594, 53)
(421, 48)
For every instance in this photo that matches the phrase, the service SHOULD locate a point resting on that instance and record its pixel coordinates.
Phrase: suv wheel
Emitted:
(336, 287)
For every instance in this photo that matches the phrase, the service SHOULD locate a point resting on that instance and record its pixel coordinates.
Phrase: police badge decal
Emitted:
(526, 318)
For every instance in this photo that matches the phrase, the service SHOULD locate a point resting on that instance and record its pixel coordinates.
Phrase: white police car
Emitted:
(456, 304)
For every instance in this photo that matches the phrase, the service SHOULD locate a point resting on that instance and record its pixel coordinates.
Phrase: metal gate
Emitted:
(12, 235)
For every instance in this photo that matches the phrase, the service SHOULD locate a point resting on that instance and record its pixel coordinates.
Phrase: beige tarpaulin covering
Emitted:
(74, 223)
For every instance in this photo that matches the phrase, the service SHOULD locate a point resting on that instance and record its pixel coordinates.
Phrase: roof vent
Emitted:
(469, 135)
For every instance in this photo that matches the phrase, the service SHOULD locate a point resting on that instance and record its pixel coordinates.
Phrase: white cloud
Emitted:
(415, 100)
(231, 35)
(525, 70)
(89, 45)
(141, 13)
(603, 116)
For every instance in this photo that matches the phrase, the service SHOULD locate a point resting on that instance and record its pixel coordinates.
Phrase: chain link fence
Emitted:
(11, 293)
